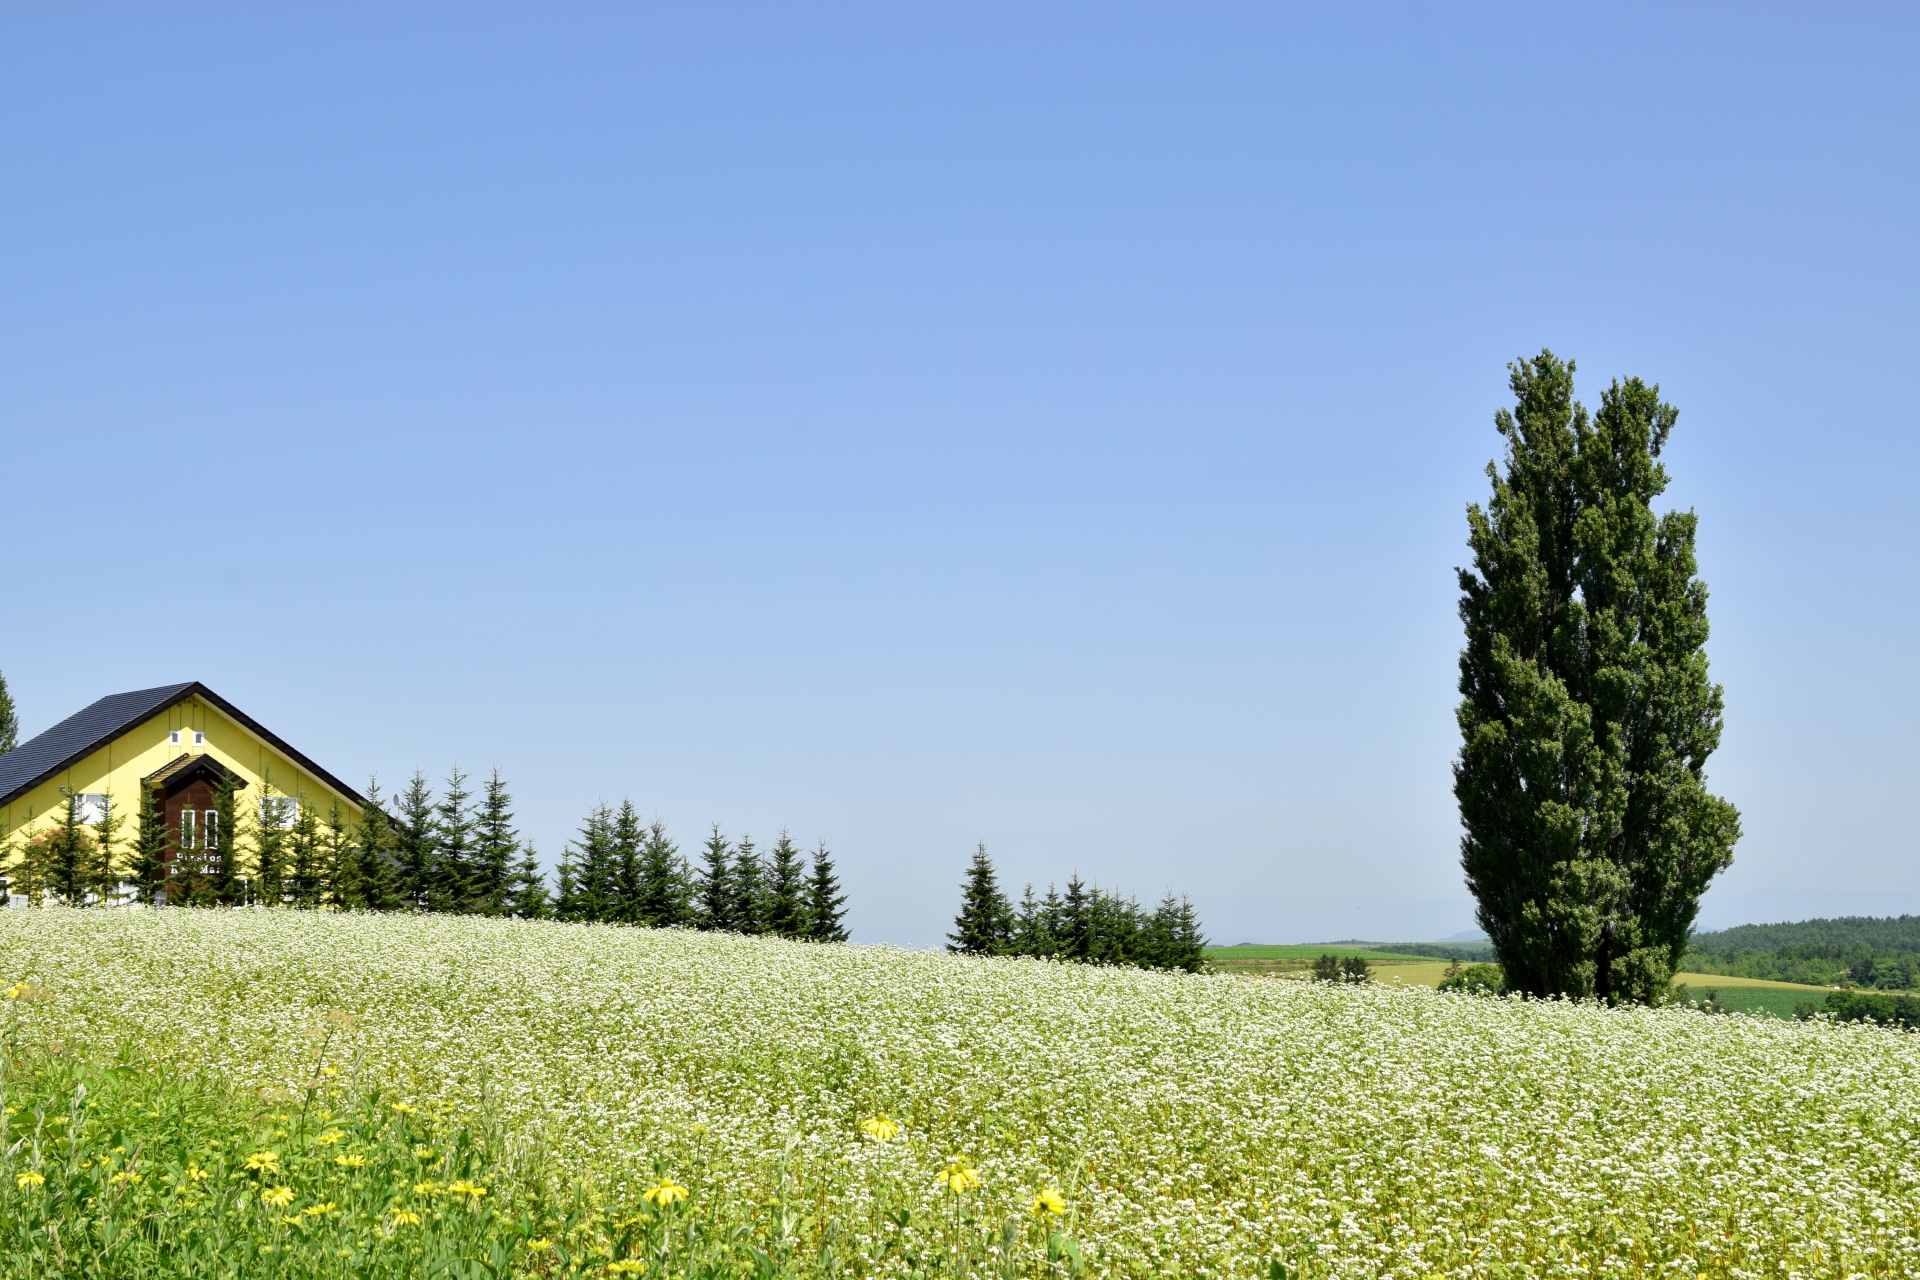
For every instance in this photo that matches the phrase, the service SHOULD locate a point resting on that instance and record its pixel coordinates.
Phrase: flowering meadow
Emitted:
(613, 1100)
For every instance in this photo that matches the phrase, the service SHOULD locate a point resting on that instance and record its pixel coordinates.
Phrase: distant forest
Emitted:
(1085, 923)
(1867, 951)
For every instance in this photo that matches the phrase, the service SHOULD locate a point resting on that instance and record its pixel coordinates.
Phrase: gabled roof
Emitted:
(84, 732)
(181, 770)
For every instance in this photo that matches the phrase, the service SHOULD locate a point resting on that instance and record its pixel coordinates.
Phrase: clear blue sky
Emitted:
(917, 425)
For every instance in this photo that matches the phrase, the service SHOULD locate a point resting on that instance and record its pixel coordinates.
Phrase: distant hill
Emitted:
(1865, 951)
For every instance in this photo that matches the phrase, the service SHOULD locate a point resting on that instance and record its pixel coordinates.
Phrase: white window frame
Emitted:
(173, 737)
(93, 807)
(279, 812)
(210, 829)
(188, 820)
(199, 738)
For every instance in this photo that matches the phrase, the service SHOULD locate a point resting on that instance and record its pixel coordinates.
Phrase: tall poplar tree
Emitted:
(984, 926)
(1586, 711)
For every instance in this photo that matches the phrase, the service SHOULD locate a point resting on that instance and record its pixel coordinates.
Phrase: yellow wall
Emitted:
(117, 768)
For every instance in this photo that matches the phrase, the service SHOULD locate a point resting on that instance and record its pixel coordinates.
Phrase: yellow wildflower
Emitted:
(278, 1197)
(540, 1245)
(329, 1071)
(404, 1109)
(330, 1137)
(1048, 1202)
(467, 1189)
(29, 1179)
(626, 1265)
(317, 1209)
(195, 1172)
(263, 1161)
(664, 1193)
(127, 1175)
(426, 1188)
(351, 1162)
(880, 1129)
(403, 1217)
(423, 1152)
(958, 1177)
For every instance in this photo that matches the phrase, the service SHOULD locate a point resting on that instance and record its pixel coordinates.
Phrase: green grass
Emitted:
(1303, 951)
(1766, 1001)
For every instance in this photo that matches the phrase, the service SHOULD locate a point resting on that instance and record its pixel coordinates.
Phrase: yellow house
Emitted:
(180, 740)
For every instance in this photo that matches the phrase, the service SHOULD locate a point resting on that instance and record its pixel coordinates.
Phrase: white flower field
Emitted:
(1192, 1126)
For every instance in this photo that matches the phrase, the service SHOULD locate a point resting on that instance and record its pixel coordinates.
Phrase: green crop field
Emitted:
(1300, 951)
(255, 1093)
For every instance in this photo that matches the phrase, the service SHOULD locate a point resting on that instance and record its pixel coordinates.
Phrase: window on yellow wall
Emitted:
(199, 739)
(173, 738)
(186, 828)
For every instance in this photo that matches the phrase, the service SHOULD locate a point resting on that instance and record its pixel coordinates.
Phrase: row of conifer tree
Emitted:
(454, 852)
(1085, 923)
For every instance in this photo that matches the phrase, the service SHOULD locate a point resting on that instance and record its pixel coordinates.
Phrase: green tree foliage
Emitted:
(749, 883)
(1587, 715)
(66, 857)
(528, 899)
(306, 858)
(1085, 924)
(984, 926)
(376, 883)
(273, 818)
(148, 867)
(9, 719)
(1473, 978)
(713, 891)
(221, 839)
(453, 862)
(107, 864)
(826, 905)
(496, 846)
(665, 891)
(414, 842)
(786, 890)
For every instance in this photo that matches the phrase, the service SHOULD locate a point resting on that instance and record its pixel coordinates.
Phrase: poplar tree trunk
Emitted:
(1587, 715)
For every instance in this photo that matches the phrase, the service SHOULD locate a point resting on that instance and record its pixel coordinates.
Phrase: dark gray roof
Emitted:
(81, 734)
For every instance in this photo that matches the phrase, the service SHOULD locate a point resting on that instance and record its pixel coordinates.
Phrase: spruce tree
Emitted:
(749, 900)
(664, 900)
(984, 926)
(713, 894)
(1075, 919)
(413, 842)
(106, 862)
(495, 845)
(376, 886)
(148, 868)
(305, 856)
(68, 857)
(786, 913)
(270, 845)
(566, 887)
(1586, 711)
(1032, 928)
(342, 888)
(826, 905)
(592, 868)
(452, 881)
(528, 898)
(9, 720)
(221, 839)
(625, 892)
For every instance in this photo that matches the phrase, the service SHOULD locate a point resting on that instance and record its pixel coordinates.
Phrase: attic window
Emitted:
(199, 739)
(173, 738)
(92, 808)
(278, 811)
